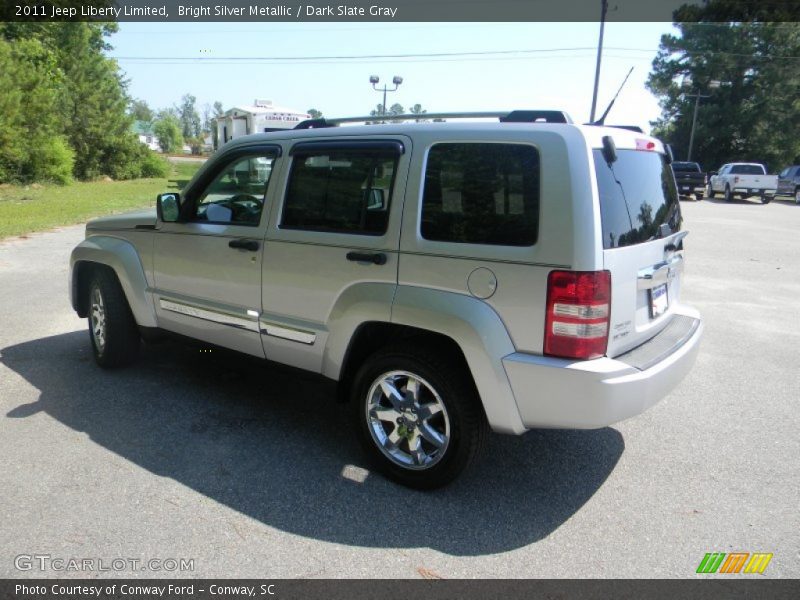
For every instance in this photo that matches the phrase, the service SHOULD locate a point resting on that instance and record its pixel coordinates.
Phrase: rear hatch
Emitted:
(642, 241)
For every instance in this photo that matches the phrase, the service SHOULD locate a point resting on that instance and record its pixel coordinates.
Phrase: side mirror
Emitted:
(168, 207)
(375, 199)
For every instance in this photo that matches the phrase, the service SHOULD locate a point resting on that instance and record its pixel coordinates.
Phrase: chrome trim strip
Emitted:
(287, 333)
(661, 273)
(223, 318)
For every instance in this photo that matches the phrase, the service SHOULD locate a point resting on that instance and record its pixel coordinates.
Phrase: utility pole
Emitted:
(603, 11)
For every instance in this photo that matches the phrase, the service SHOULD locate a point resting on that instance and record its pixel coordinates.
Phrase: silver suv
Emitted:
(452, 277)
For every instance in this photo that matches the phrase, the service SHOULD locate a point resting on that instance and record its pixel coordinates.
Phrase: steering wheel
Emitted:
(241, 211)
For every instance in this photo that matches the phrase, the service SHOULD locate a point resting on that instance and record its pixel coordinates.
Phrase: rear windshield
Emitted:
(686, 167)
(637, 196)
(747, 170)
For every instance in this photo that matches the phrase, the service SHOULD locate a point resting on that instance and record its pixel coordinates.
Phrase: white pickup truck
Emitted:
(743, 179)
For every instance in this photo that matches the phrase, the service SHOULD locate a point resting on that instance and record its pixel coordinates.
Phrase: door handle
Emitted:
(377, 258)
(244, 244)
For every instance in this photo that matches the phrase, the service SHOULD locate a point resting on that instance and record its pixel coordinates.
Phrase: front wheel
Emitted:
(765, 199)
(112, 328)
(418, 415)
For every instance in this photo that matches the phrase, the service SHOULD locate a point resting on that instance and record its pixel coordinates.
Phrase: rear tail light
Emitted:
(578, 311)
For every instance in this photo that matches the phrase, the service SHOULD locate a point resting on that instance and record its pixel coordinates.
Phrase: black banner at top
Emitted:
(393, 10)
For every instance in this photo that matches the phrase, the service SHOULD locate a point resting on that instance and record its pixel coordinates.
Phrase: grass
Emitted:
(28, 208)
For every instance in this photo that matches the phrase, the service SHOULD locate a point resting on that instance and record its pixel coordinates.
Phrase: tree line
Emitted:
(63, 108)
(743, 59)
(180, 124)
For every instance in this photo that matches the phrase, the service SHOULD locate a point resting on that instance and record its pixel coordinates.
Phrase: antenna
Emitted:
(601, 120)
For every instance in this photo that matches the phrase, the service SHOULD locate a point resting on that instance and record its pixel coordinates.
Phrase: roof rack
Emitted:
(514, 116)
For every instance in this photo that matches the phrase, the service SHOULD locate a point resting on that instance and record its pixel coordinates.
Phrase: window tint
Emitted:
(237, 194)
(747, 170)
(637, 196)
(342, 191)
(481, 194)
(686, 167)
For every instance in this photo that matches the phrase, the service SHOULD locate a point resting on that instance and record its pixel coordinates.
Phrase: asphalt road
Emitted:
(253, 472)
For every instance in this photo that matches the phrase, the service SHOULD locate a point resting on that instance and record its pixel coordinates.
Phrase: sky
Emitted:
(539, 65)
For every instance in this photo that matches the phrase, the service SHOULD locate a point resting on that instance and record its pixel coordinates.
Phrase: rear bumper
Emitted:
(558, 393)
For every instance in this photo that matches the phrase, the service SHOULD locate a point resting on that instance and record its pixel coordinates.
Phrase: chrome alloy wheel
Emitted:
(98, 317)
(408, 420)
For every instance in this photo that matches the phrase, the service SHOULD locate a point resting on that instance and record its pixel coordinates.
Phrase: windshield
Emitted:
(637, 196)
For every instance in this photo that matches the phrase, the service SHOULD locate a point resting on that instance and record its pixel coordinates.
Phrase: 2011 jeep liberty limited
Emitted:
(452, 277)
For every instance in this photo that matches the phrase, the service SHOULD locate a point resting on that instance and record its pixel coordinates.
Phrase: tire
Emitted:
(698, 196)
(710, 191)
(728, 194)
(455, 428)
(797, 195)
(765, 199)
(112, 328)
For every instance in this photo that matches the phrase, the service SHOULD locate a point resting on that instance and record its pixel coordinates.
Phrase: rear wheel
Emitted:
(698, 196)
(418, 415)
(112, 328)
(728, 194)
(765, 199)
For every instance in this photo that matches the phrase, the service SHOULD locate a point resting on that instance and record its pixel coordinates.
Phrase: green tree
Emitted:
(314, 113)
(92, 101)
(168, 131)
(754, 113)
(141, 111)
(191, 125)
(32, 147)
(418, 110)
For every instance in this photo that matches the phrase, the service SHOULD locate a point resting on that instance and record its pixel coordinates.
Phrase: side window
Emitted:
(785, 173)
(236, 195)
(478, 193)
(340, 190)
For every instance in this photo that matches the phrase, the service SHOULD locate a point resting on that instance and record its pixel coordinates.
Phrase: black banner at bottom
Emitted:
(390, 589)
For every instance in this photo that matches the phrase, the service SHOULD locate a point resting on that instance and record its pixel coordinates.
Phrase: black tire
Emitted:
(765, 199)
(119, 344)
(728, 194)
(451, 380)
(698, 196)
(797, 195)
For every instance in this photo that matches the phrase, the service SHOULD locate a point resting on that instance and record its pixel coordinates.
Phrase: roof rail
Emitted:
(514, 116)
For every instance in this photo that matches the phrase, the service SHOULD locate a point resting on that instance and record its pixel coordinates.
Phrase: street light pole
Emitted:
(374, 80)
(603, 11)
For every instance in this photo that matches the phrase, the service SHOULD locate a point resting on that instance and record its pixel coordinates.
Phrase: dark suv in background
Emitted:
(789, 183)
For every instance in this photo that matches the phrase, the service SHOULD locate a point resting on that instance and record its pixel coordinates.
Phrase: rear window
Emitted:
(481, 194)
(637, 196)
(747, 170)
(686, 167)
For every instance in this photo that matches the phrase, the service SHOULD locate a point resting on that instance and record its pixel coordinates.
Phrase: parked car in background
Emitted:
(789, 183)
(690, 179)
(743, 180)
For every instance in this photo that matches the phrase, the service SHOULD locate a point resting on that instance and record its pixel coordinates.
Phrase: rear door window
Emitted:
(637, 196)
(747, 170)
(480, 193)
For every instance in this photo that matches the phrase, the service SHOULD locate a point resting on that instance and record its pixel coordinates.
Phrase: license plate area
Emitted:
(659, 301)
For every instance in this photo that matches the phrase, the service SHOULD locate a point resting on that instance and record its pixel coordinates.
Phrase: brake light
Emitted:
(645, 145)
(578, 312)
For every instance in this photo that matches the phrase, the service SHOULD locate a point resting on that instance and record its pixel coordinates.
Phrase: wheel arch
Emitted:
(121, 257)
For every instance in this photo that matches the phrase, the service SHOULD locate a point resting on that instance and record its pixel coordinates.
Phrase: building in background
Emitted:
(259, 117)
(144, 130)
